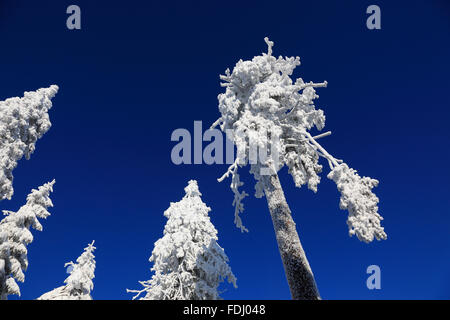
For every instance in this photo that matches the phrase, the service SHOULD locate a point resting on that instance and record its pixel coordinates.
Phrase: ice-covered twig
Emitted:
(226, 77)
(139, 292)
(216, 123)
(329, 157)
(269, 46)
(302, 86)
(238, 196)
(322, 135)
(237, 202)
(231, 170)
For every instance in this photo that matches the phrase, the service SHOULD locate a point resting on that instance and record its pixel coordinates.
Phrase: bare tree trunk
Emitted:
(296, 267)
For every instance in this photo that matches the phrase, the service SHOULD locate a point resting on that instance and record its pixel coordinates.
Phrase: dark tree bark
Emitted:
(296, 267)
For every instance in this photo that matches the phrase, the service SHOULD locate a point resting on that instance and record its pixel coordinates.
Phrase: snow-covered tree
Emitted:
(15, 235)
(188, 262)
(79, 284)
(22, 122)
(263, 107)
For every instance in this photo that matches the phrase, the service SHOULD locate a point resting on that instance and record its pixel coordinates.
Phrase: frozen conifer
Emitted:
(15, 235)
(188, 262)
(79, 284)
(22, 122)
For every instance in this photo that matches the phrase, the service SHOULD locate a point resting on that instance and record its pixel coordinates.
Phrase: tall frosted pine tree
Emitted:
(188, 262)
(264, 109)
(15, 235)
(79, 283)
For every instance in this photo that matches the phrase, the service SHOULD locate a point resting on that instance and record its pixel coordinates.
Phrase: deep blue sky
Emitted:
(138, 70)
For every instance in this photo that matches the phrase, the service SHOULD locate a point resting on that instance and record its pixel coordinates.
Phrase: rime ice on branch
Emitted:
(361, 203)
(15, 235)
(261, 101)
(22, 122)
(79, 284)
(188, 262)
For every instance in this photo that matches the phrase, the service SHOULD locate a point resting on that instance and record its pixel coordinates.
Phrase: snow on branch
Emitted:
(237, 202)
(357, 197)
(238, 195)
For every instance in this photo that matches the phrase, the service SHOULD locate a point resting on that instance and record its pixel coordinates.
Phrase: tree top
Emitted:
(192, 189)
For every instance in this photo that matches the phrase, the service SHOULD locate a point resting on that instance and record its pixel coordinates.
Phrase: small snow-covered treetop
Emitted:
(188, 262)
(15, 235)
(80, 280)
(22, 122)
(79, 284)
(264, 107)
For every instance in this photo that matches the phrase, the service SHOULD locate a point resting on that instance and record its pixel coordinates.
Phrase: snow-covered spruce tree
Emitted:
(15, 235)
(22, 122)
(79, 284)
(263, 107)
(188, 262)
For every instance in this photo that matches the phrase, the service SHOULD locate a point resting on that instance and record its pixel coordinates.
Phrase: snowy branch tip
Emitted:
(357, 197)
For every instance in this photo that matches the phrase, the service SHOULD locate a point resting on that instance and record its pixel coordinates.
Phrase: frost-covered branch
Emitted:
(269, 46)
(324, 152)
(231, 170)
(216, 123)
(357, 197)
(145, 284)
(238, 195)
(237, 202)
(323, 135)
(302, 85)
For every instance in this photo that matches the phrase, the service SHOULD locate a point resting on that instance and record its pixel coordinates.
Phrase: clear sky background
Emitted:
(137, 70)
